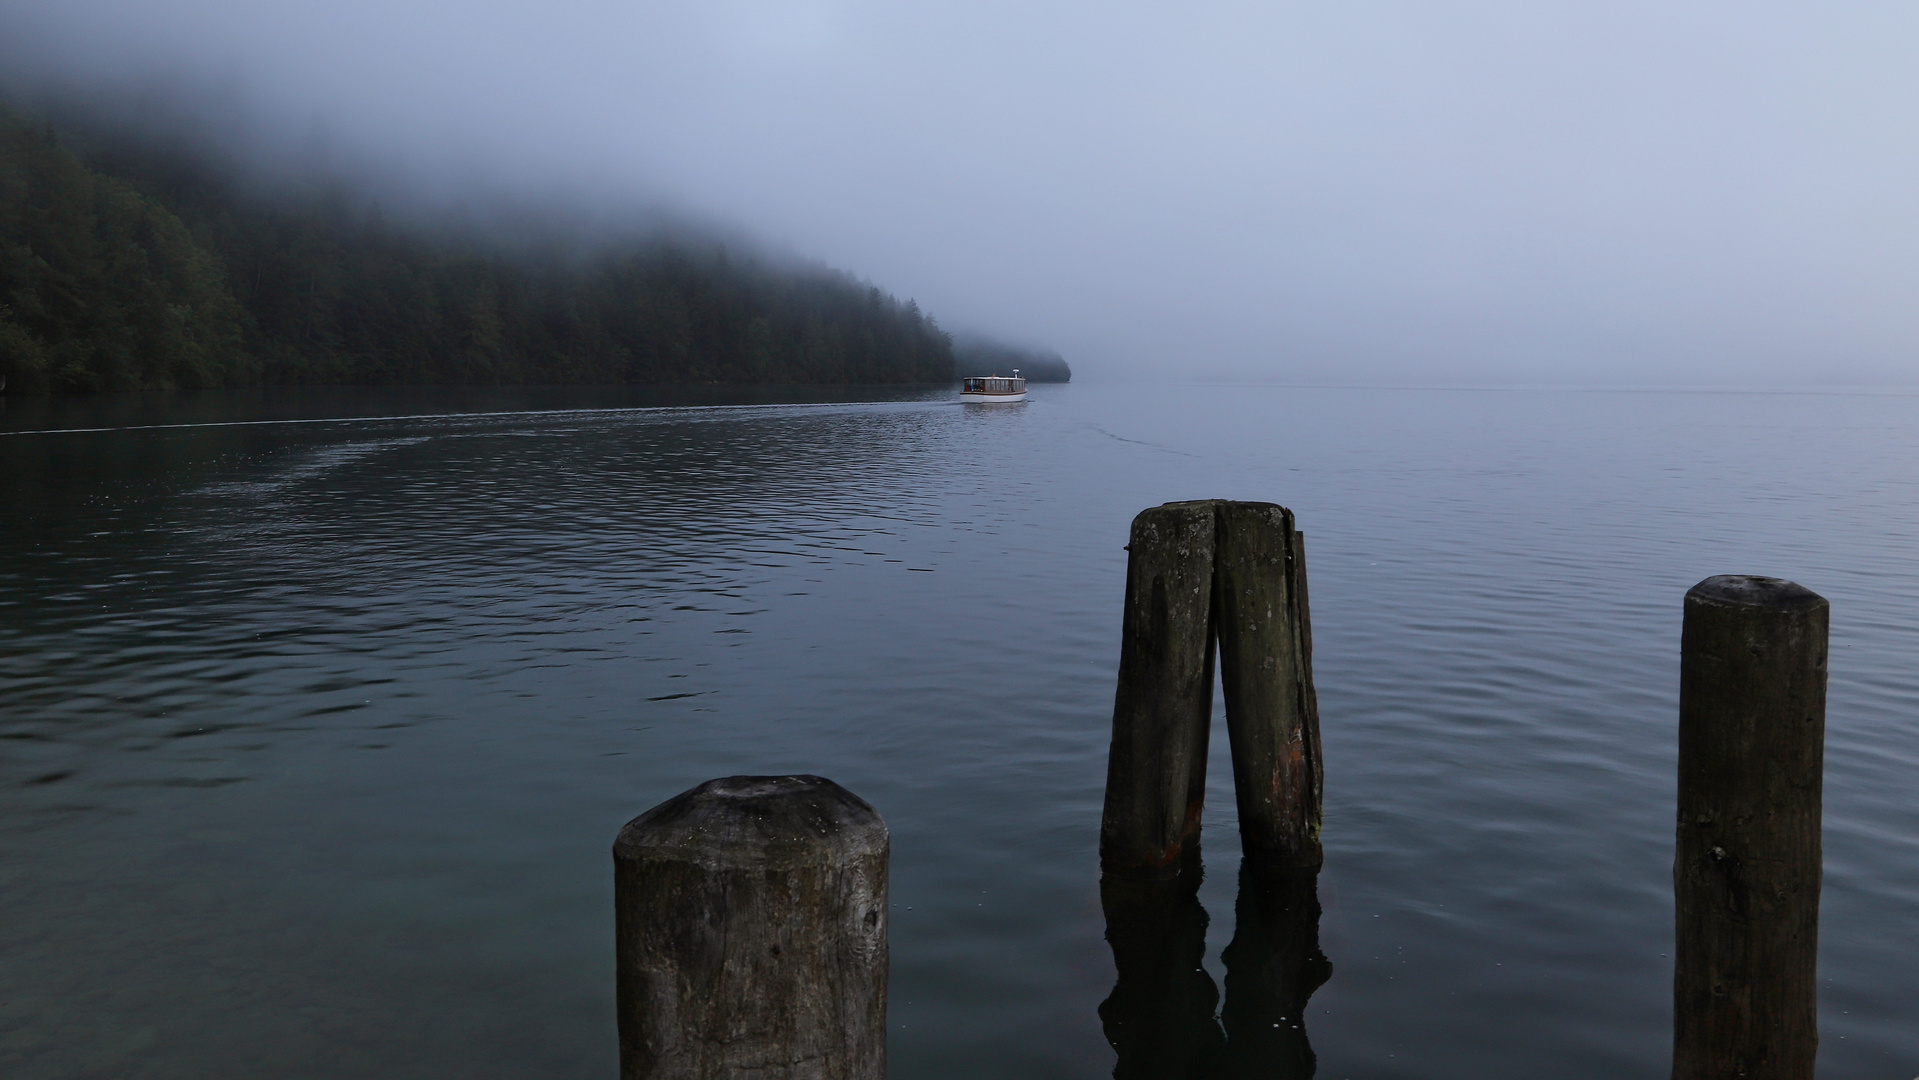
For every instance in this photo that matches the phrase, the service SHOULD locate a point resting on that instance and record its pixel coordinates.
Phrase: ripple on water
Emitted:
(323, 729)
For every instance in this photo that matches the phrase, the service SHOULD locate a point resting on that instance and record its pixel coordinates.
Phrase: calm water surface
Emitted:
(315, 735)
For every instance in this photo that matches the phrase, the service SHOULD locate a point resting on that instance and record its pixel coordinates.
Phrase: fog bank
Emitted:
(1703, 193)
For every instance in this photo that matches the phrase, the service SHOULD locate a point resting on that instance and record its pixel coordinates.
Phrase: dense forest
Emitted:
(976, 355)
(133, 266)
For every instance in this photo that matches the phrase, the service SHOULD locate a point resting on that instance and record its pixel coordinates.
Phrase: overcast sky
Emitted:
(1471, 192)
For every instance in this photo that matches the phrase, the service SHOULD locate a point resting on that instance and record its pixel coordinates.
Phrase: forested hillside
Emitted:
(976, 355)
(126, 266)
(101, 288)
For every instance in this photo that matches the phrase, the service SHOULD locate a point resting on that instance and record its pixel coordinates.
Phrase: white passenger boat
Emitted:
(992, 389)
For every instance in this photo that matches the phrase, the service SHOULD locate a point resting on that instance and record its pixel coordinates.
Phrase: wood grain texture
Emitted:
(750, 925)
(1266, 667)
(1746, 877)
(1162, 710)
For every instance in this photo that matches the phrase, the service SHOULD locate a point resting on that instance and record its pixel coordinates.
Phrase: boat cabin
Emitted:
(994, 388)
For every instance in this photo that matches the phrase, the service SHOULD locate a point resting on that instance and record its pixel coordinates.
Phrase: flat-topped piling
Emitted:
(1201, 575)
(1746, 877)
(750, 927)
(1265, 661)
(1162, 709)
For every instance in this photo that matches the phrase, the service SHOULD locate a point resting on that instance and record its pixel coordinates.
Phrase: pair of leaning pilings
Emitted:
(1201, 575)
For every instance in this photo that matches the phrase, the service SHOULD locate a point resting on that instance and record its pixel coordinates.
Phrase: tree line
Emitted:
(977, 355)
(128, 265)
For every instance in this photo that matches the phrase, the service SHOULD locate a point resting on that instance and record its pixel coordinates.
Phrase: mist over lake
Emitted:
(323, 708)
(434, 433)
(1383, 192)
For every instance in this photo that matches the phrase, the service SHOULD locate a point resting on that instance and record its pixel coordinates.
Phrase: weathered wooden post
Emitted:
(1201, 573)
(1752, 722)
(1265, 662)
(1162, 711)
(750, 930)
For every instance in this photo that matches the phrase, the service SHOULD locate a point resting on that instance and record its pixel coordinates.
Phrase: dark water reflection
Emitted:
(1164, 1019)
(314, 733)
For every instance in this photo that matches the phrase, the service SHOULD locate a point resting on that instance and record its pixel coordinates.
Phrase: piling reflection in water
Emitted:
(1160, 1015)
(1273, 965)
(1160, 1018)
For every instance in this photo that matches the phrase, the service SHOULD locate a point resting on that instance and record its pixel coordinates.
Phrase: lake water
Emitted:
(315, 735)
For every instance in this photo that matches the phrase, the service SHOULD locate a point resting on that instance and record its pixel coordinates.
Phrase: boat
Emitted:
(993, 389)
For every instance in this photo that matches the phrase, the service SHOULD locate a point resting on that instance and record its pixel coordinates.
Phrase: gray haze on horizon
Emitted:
(1692, 192)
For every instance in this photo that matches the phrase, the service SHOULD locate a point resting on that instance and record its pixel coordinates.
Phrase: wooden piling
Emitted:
(1156, 768)
(1199, 574)
(1752, 718)
(750, 926)
(1265, 658)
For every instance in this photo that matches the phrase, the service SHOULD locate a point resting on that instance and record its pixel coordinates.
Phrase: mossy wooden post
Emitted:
(750, 926)
(1752, 722)
(1156, 768)
(1265, 658)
